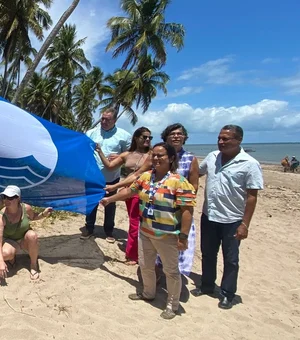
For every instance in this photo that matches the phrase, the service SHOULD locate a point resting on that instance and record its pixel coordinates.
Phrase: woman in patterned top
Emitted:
(188, 167)
(175, 135)
(166, 208)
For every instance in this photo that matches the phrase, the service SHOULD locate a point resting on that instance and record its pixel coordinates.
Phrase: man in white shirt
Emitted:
(113, 141)
(232, 183)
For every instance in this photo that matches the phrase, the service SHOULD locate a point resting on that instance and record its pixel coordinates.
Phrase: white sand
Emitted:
(82, 293)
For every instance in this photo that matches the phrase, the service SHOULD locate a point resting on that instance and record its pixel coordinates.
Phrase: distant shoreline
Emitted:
(265, 165)
(265, 153)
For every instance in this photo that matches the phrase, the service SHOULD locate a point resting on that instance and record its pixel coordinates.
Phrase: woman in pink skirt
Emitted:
(132, 160)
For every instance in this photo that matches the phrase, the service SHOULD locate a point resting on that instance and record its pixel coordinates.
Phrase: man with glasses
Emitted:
(232, 182)
(113, 141)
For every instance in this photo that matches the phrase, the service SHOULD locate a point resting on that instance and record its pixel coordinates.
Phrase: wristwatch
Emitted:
(183, 236)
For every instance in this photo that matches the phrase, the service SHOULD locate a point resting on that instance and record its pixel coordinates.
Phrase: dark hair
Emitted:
(137, 133)
(171, 152)
(237, 130)
(164, 135)
(113, 111)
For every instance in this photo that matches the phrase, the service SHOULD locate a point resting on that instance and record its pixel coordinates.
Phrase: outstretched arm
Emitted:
(113, 164)
(34, 216)
(147, 165)
(120, 196)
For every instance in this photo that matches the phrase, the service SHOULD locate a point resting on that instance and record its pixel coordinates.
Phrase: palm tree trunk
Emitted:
(43, 50)
(52, 98)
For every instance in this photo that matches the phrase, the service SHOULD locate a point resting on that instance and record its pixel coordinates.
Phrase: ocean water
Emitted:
(271, 153)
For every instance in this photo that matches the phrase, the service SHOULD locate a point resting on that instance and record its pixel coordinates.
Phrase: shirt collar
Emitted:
(241, 156)
(114, 129)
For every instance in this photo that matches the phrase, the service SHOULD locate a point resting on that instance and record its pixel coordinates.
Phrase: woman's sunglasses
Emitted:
(4, 197)
(147, 137)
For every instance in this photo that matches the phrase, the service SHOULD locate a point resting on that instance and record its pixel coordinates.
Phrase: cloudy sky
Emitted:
(240, 65)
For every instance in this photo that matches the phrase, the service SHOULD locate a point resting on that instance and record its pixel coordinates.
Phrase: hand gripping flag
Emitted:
(52, 165)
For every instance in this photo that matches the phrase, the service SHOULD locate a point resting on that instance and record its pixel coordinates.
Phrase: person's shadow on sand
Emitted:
(86, 254)
(197, 278)
(161, 294)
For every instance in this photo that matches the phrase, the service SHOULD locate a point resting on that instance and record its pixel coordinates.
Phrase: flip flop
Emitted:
(34, 274)
(130, 263)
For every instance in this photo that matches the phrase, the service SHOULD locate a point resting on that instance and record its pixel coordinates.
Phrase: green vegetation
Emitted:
(69, 90)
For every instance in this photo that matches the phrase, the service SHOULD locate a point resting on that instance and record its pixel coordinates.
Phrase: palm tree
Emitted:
(149, 78)
(86, 98)
(9, 90)
(18, 19)
(117, 94)
(137, 87)
(143, 30)
(37, 95)
(66, 61)
(43, 49)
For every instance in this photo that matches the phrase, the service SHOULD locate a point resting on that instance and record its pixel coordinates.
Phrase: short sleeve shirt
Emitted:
(226, 186)
(114, 141)
(174, 192)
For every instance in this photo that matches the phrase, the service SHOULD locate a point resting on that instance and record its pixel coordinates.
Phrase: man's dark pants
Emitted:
(214, 234)
(109, 215)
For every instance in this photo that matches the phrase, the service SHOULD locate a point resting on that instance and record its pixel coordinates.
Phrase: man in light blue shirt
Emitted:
(113, 141)
(232, 182)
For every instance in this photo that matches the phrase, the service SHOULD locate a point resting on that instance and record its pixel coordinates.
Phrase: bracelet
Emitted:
(244, 224)
(182, 236)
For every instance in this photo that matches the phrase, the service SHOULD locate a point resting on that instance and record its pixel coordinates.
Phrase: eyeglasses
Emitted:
(173, 134)
(9, 198)
(159, 156)
(103, 119)
(146, 137)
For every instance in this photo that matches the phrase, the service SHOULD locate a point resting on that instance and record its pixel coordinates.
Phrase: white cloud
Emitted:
(265, 115)
(215, 72)
(184, 91)
(270, 61)
(292, 84)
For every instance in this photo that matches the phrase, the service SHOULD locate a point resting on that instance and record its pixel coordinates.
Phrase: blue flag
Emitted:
(52, 165)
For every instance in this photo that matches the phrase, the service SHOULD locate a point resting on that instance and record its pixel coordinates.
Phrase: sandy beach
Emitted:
(83, 286)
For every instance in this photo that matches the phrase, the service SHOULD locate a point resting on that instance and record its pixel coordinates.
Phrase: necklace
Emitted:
(153, 189)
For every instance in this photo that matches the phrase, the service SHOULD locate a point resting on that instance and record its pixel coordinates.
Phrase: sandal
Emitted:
(130, 262)
(34, 274)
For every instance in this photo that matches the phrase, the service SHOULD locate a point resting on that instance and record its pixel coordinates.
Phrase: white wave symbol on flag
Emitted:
(25, 172)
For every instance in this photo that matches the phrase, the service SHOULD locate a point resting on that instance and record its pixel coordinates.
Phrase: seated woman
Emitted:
(166, 208)
(294, 164)
(132, 159)
(15, 231)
